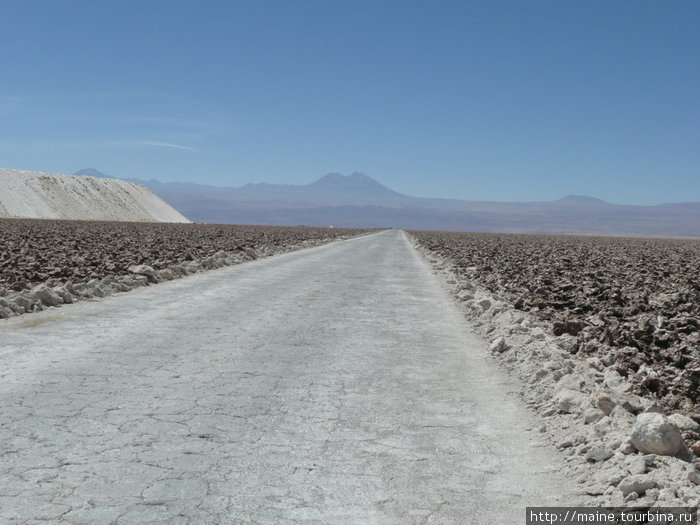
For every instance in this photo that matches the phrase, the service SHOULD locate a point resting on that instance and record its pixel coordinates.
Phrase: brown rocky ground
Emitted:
(621, 448)
(82, 259)
(633, 302)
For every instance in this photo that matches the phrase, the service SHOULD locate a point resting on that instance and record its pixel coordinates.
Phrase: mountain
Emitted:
(360, 201)
(330, 190)
(581, 200)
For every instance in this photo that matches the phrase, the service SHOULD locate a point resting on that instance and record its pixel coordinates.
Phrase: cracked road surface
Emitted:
(333, 385)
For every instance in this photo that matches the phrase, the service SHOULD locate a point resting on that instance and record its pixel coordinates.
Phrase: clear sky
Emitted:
(483, 100)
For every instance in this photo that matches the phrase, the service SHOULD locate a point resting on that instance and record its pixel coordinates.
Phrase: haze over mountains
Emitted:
(357, 200)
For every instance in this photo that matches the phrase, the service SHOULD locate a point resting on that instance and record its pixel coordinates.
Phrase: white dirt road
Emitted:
(336, 384)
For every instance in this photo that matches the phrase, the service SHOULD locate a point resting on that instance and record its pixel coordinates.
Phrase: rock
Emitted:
(47, 296)
(484, 304)
(599, 452)
(5, 312)
(166, 275)
(666, 494)
(552, 365)
(568, 401)
(25, 301)
(591, 415)
(17, 308)
(139, 280)
(143, 269)
(75, 289)
(684, 422)
(632, 496)
(638, 483)
(614, 381)
(465, 295)
(567, 343)
(595, 363)
(64, 294)
(538, 334)
(637, 465)
(465, 285)
(98, 291)
(561, 327)
(622, 417)
(653, 494)
(695, 447)
(632, 403)
(499, 346)
(604, 402)
(654, 407)
(654, 433)
(178, 269)
(571, 382)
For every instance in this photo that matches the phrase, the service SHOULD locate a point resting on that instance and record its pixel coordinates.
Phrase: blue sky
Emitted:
(489, 100)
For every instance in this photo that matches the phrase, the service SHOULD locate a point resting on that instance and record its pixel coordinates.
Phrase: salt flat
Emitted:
(336, 384)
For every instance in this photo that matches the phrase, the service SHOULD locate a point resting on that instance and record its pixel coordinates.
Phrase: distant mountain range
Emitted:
(359, 201)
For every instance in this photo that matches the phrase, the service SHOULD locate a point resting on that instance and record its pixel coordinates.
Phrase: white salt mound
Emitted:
(36, 195)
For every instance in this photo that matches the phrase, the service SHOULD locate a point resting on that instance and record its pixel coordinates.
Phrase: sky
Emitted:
(479, 100)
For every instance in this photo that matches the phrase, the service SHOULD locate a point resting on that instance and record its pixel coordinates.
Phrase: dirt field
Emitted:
(635, 302)
(34, 251)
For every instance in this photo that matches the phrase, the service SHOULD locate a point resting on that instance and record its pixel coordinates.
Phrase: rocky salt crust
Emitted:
(586, 408)
(41, 296)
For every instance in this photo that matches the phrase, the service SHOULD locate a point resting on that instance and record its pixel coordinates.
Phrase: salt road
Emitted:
(336, 384)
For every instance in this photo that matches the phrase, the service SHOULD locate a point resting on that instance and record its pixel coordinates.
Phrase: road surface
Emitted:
(333, 385)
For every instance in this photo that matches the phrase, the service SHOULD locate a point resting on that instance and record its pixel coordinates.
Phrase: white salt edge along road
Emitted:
(335, 384)
(28, 194)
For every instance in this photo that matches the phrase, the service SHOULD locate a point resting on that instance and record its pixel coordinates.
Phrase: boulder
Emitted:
(604, 402)
(143, 269)
(638, 483)
(566, 326)
(499, 346)
(654, 433)
(632, 403)
(599, 452)
(47, 296)
(5, 312)
(484, 304)
(572, 382)
(684, 423)
(465, 295)
(25, 301)
(166, 275)
(591, 415)
(64, 294)
(568, 401)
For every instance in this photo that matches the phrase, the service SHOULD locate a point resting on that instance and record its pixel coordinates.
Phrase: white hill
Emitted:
(28, 194)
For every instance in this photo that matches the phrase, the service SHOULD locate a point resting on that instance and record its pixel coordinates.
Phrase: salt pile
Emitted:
(27, 194)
